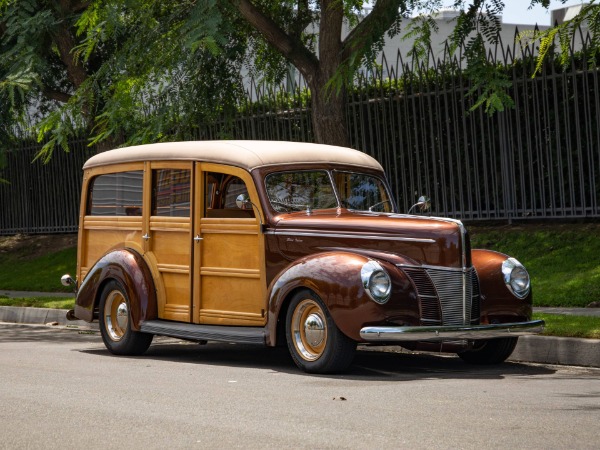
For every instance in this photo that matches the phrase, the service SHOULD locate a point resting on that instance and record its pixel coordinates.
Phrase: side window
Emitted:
(234, 187)
(116, 194)
(171, 192)
(221, 192)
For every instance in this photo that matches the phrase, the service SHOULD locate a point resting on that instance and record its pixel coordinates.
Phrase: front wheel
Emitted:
(493, 351)
(314, 341)
(115, 323)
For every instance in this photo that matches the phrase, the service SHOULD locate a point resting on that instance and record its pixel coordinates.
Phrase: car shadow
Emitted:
(369, 364)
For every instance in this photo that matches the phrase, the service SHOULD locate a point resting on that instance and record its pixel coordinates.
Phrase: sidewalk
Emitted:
(536, 349)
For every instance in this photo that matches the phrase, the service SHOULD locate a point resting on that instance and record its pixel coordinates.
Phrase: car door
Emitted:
(168, 236)
(229, 265)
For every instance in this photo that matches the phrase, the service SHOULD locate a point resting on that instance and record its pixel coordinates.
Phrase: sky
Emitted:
(515, 11)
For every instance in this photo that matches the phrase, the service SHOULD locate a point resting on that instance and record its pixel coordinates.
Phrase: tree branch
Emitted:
(290, 48)
(59, 96)
(75, 71)
(372, 27)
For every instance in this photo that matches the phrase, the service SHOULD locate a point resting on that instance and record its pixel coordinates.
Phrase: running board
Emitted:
(195, 332)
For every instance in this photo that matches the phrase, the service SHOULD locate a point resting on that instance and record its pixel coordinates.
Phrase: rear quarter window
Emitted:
(116, 194)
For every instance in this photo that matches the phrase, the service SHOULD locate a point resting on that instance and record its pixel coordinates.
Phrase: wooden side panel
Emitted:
(100, 234)
(231, 289)
(170, 244)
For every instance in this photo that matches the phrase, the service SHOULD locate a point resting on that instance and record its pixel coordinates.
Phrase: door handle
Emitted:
(198, 238)
(146, 237)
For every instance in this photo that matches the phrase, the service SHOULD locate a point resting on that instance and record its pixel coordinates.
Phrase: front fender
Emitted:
(128, 268)
(335, 277)
(498, 304)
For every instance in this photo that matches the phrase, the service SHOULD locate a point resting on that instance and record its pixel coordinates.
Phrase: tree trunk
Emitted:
(328, 114)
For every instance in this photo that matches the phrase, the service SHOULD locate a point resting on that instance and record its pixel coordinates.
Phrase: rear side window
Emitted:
(171, 192)
(116, 194)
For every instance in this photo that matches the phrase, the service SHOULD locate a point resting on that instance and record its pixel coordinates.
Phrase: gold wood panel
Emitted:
(230, 251)
(230, 301)
(173, 268)
(227, 272)
(220, 316)
(97, 242)
(91, 242)
(231, 291)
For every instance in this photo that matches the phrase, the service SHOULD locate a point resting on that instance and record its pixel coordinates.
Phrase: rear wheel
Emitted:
(493, 351)
(115, 323)
(314, 341)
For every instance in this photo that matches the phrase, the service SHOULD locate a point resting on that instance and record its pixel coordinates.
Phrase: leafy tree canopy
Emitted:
(133, 71)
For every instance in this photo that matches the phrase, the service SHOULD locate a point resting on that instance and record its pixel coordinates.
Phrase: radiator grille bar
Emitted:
(446, 297)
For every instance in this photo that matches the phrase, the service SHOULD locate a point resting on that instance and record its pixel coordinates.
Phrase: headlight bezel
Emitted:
(376, 281)
(516, 278)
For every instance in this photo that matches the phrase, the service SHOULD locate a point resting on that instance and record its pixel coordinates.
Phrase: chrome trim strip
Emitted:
(425, 266)
(348, 235)
(449, 333)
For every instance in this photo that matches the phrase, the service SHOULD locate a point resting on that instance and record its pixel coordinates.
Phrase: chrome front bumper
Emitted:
(451, 333)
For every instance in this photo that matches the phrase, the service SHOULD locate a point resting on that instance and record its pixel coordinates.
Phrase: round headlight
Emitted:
(376, 282)
(516, 277)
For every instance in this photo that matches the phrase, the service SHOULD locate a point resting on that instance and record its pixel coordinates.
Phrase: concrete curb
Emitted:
(558, 350)
(40, 316)
(536, 349)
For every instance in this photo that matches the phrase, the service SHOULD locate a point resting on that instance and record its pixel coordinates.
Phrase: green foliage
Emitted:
(135, 70)
(142, 71)
(588, 17)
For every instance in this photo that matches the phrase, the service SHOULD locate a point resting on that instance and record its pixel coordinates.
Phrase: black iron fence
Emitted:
(538, 160)
(42, 198)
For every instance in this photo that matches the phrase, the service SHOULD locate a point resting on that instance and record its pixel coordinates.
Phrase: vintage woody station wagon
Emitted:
(282, 243)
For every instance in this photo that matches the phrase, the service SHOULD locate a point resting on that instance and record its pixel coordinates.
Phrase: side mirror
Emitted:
(242, 200)
(424, 204)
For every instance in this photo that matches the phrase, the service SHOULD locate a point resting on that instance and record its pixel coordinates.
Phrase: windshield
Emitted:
(296, 191)
(362, 192)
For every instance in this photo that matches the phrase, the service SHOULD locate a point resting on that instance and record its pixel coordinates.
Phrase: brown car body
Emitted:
(261, 275)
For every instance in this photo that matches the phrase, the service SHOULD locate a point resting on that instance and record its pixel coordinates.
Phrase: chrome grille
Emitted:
(447, 297)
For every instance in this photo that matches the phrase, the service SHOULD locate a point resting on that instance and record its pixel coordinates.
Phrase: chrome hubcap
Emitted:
(309, 330)
(314, 329)
(116, 315)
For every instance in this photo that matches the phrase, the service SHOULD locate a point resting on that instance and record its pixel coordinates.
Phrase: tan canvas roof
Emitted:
(244, 154)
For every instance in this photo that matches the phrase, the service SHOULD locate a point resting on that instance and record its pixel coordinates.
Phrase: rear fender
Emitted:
(335, 277)
(128, 268)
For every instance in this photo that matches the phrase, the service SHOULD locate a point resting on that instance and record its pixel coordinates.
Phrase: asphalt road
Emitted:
(60, 388)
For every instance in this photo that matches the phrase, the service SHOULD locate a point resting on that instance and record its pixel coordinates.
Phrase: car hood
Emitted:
(425, 240)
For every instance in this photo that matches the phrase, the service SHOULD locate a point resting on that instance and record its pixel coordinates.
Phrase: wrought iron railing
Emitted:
(538, 160)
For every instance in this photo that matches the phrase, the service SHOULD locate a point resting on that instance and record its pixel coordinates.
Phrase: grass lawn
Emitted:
(39, 302)
(36, 262)
(41, 273)
(563, 260)
(570, 326)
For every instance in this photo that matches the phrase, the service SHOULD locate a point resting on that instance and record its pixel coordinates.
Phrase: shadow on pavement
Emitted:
(368, 365)
(371, 364)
